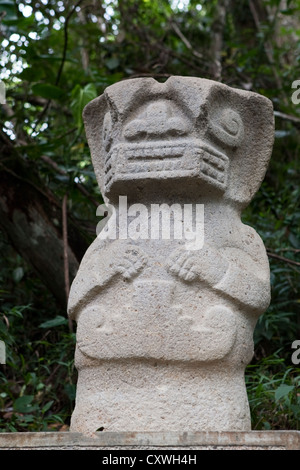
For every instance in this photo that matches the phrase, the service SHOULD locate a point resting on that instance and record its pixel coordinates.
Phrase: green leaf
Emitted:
(50, 92)
(23, 404)
(32, 74)
(80, 98)
(288, 11)
(70, 390)
(294, 240)
(9, 8)
(57, 321)
(21, 24)
(47, 406)
(18, 274)
(282, 391)
(112, 63)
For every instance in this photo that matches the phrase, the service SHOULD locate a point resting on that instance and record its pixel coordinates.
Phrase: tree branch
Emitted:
(185, 40)
(79, 185)
(66, 255)
(287, 117)
(66, 39)
(217, 38)
(282, 258)
(64, 55)
(27, 217)
(269, 51)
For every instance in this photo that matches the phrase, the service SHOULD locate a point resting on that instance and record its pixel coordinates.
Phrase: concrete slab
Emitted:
(253, 440)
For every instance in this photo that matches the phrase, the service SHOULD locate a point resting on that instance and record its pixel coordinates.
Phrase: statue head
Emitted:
(188, 134)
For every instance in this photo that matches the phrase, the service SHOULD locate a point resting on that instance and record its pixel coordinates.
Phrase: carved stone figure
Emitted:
(165, 327)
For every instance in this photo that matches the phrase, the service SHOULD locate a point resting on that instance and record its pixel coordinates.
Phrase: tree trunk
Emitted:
(217, 29)
(31, 217)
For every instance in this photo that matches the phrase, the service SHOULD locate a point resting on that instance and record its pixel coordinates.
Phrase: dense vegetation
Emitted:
(55, 57)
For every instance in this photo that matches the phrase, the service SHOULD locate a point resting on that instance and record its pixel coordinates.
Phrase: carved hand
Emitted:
(130, 263)
(206, 264)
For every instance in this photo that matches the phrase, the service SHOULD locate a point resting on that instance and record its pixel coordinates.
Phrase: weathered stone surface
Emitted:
(254, 440)
(165, 324)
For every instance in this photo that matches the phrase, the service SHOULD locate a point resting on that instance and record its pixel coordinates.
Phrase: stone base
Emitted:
(163, 441)
(150, 397)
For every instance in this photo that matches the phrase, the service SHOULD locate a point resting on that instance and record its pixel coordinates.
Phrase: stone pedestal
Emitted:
(167, 297)
(160, 396)
(163, 442)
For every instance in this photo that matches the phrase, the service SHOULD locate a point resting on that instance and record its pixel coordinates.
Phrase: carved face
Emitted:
(187, 130)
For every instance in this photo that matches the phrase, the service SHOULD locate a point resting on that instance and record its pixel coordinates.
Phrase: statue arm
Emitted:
(232, 271)
(246, 286)
(100, 264)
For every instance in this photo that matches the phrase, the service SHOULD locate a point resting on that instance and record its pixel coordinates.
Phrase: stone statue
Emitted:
(165, 322)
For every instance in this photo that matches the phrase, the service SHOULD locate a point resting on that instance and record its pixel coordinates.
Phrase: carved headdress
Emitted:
(142, 130)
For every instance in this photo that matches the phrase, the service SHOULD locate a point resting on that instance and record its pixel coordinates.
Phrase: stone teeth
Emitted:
(154, 152)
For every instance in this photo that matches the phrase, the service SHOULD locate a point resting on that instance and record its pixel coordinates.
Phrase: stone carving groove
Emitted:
(228, 128)
(164, 328)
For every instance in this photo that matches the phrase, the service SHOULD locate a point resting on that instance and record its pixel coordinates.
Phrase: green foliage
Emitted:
(38, 380)
(37, 384)
(55, 58)
(81, 97)
(273, 390)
